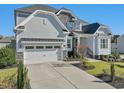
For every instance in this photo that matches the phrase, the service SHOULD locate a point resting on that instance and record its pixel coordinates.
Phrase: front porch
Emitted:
(86, 45)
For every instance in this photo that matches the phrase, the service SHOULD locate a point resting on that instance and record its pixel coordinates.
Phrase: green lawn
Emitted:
(99, 66)
(8, 77)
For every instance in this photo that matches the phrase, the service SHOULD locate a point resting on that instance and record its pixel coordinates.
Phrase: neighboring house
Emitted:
(4, 41)
(120, 44)
(114, 43)
(45, 34)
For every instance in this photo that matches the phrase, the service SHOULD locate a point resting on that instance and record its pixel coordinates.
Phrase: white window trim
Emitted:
(69, 49)
(104, 45)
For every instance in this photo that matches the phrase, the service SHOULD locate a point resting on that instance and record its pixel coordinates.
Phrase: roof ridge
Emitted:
(33, 7)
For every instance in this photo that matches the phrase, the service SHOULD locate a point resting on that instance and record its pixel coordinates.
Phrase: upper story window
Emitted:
(68, 43)
(70, 25)
(104, 43)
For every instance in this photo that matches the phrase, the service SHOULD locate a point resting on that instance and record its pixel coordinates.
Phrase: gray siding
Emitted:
(41, 26)
(120, 44)
(21, 17)
(64, 17)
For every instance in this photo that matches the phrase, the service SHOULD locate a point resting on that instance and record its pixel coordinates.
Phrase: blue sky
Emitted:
(111, 15)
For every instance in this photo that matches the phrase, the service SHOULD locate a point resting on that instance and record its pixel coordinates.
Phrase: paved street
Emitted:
(62, 76)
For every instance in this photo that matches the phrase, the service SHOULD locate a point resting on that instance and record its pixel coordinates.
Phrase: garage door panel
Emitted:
(34, 57)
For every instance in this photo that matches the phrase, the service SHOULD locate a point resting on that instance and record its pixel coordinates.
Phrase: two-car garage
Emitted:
(42, 53)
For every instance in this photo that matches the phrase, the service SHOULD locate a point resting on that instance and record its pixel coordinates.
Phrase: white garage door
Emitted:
(34, 56)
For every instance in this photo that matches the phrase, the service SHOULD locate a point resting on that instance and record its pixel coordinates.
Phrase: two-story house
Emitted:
(46, 34)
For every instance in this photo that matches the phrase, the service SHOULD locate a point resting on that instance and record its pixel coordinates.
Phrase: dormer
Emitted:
(67, 17)
(79, 24)
(66, 11)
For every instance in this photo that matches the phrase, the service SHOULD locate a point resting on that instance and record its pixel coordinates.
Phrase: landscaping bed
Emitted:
(117, 82)
(101, 70)
(84, 67)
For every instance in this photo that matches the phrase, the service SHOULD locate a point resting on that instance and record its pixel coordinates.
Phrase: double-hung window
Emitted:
(68, 43)
(104, 43)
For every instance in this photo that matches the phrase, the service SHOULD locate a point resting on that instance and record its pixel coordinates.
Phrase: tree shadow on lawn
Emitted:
(10, 66)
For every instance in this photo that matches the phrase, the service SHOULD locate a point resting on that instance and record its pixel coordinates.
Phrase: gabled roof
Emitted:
(32, 8)
(67, 11)
(82, 21)
(91, 28)
(39, 12)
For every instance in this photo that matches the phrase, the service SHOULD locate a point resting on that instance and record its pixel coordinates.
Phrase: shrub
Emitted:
(116, 55)
(105, 71)
(7, 57)
(22, 78)
(83, 59)
(112, 71)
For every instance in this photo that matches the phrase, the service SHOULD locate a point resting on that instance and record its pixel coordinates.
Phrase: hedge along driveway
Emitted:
(99, 66)
(7, 57)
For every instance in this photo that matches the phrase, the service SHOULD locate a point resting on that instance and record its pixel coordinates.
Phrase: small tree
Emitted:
(112, 71)
(83, 59)
(20, 83)
(22, 79)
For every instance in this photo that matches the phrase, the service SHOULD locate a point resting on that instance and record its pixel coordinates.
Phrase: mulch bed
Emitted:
(117, 82)
(81, 66)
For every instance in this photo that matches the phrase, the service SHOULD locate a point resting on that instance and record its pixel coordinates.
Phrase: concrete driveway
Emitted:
(62, 76)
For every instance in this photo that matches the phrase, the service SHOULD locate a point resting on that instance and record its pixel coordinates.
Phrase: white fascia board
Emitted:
(83, 35)
(25, 21)
(100, 27)
(41, 11)
(97, 30)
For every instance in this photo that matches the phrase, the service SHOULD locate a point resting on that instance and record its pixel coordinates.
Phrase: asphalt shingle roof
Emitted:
(32, 8)
(91, 28)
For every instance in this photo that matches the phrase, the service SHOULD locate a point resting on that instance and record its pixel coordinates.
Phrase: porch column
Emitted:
(94, 48)
(78, 42)
(109, 45)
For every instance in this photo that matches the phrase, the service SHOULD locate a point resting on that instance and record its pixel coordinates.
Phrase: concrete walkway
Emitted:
(62, 76)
